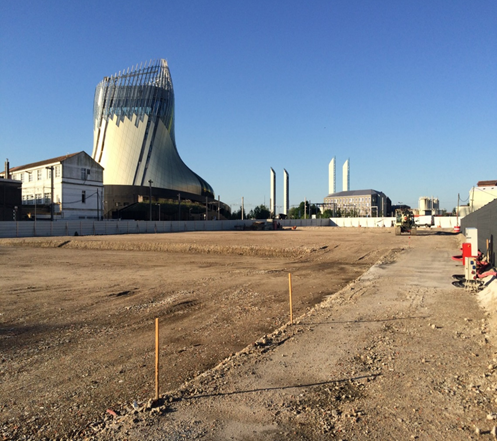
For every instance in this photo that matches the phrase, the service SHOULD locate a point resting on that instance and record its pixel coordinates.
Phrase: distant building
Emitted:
(77, 191)
(428, 206)
(10, 199)
(134, 140)
(358, 203)
(482, 194)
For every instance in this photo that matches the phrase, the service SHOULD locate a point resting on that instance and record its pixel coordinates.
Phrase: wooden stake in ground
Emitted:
(290, 286)
(156, 358)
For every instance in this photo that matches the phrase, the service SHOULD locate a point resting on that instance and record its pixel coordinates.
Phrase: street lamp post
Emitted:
(179, 206)
(150, 182)
(29, 173)
(51, 168)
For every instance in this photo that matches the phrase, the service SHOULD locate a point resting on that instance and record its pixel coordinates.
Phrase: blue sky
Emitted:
(405, 89)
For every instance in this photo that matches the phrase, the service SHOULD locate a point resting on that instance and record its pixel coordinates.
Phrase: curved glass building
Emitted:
(133, 138)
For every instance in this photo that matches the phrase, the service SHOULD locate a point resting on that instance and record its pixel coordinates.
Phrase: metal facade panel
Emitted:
(485, 220)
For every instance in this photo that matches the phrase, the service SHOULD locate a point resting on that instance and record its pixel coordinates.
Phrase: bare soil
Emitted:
(77, 313)
(390, 351)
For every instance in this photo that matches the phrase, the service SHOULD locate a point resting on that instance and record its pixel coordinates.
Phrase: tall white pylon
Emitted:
(346, 175)
(286, 192)
(332, 177)
(272, 202)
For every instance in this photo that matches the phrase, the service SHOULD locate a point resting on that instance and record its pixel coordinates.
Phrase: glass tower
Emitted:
(133, 133)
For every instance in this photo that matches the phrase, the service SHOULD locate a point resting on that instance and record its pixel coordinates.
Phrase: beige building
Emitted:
(357, 203)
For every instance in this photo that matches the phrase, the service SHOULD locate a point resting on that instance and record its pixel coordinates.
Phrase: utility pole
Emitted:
(51, 168)
(457, 210)
(150, 182)
(243, 208)
(179, 206)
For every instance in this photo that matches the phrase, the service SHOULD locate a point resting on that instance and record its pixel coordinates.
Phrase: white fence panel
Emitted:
(91, 227)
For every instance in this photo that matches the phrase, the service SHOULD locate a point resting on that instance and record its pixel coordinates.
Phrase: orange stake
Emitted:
(156, 358)
(290, 286)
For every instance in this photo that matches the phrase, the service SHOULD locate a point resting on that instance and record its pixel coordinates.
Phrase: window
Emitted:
(57, 171)
(85, 173)
(47, 198)
(30, 176)
(38, 174)
(49, 173)
(83, 197)
(22, 177)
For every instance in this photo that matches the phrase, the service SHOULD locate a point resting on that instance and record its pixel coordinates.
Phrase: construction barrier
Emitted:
(109, 227)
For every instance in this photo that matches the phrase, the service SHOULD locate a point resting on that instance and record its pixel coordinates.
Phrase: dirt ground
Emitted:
(77, 313)
(382, 347)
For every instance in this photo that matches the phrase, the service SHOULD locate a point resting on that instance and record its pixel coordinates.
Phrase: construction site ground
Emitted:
(382, 345)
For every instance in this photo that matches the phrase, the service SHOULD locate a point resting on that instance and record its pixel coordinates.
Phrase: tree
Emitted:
(238, 214)
(293, 213)
(328, 213)
(305, 209)
(260, 212)
(313, 209)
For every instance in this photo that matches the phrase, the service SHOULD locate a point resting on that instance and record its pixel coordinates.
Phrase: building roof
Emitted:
(44, 162)
(4, 181)
(487, 183)
(353, 193)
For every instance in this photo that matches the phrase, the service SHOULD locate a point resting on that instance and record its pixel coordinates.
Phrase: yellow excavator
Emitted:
(404, 222)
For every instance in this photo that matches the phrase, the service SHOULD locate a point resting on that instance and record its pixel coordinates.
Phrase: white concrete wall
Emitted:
(88, 227)
(439, 222)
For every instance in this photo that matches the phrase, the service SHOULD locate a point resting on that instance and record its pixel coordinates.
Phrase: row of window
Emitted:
(346, 200)
(29, 176)
(36, 198)
(346, 204)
